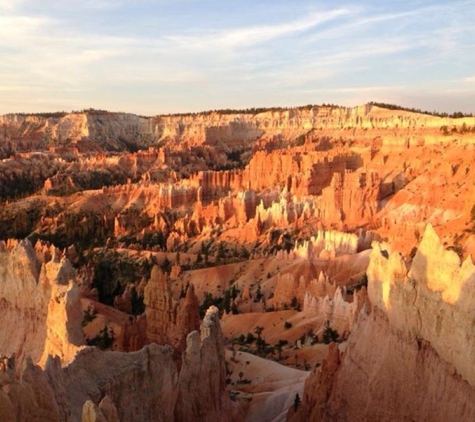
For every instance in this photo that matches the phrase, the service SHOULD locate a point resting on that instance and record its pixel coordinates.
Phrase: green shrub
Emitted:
(329, 334)
(103, 340)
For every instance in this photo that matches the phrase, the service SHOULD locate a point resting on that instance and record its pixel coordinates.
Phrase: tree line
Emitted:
(455, 115)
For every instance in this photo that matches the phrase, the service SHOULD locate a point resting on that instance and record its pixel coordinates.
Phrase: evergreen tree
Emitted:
(297, 402)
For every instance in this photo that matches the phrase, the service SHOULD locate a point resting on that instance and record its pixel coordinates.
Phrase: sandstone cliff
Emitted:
(410, 355)
(115, 131)
(231, 131)
(290, 200)
(168, 320)
(42, 302)
(203, 375)
(138, 386)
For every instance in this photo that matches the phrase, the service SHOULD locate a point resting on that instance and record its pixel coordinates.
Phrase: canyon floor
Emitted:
(312, 263)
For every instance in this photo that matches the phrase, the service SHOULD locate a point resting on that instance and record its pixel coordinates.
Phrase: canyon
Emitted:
(310, 263)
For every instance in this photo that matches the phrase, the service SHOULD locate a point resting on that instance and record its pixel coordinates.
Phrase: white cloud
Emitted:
(360, 21)
(358, 90)
(10, 5)
(16, 30)
(244, 37)
(51, 56)
(365, 50)
(101, 4)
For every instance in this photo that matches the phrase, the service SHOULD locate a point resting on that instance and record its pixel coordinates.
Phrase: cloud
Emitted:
(248, 36)
(358, 89)
(360, 20)
(17, 30)
(102, 4)
(10, 5)
(154, 55)
(365, 50)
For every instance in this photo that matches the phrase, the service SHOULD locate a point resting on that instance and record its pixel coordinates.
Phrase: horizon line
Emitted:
(247, 110)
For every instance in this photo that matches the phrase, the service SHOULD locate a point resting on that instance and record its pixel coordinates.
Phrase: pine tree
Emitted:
(297, 402)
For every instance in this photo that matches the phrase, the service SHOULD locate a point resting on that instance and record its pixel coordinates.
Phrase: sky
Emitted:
(164, 56)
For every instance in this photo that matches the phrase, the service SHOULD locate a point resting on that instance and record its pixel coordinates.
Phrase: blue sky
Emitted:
(161, 56)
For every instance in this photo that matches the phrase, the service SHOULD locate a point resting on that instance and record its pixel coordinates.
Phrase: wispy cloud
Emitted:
(151, 56)
(363, 51)
(359, 20)
(246, 36)
(102, 4)
(358, 90)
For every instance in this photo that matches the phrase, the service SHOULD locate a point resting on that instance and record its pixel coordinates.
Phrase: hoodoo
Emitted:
(309, 263)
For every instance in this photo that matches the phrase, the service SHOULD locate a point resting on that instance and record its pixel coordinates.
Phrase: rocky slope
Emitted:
(144, 385)
(42, 302)
(108, 130)
(230, 131)
(287, 220)
(410, 353)
(169, 321)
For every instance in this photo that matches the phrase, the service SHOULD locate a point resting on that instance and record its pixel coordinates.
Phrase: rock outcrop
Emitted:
(203, 375)
(408, 349)
(340, 314)
(112, 130)
(169, 320)
(138, 386)
(42, 302)
(265, 210)
(442, 291)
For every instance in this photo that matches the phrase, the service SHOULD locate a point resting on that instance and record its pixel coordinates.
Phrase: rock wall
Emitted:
(410, 354)
(110, 130)
(231, 131)
(143, 386)
(42, 302)
(351, 198)
(441, 293)
(168, 320)
(203, 376)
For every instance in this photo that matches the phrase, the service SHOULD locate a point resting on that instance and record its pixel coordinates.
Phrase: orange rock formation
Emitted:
(405, 352)
(302, 225)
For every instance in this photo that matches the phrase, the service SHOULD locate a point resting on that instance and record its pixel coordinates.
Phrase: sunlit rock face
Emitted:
(340, 314)
(42, 302)
(290, 201)
(433, 301)
(139, 386)
(410, 346)
(108, 129)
